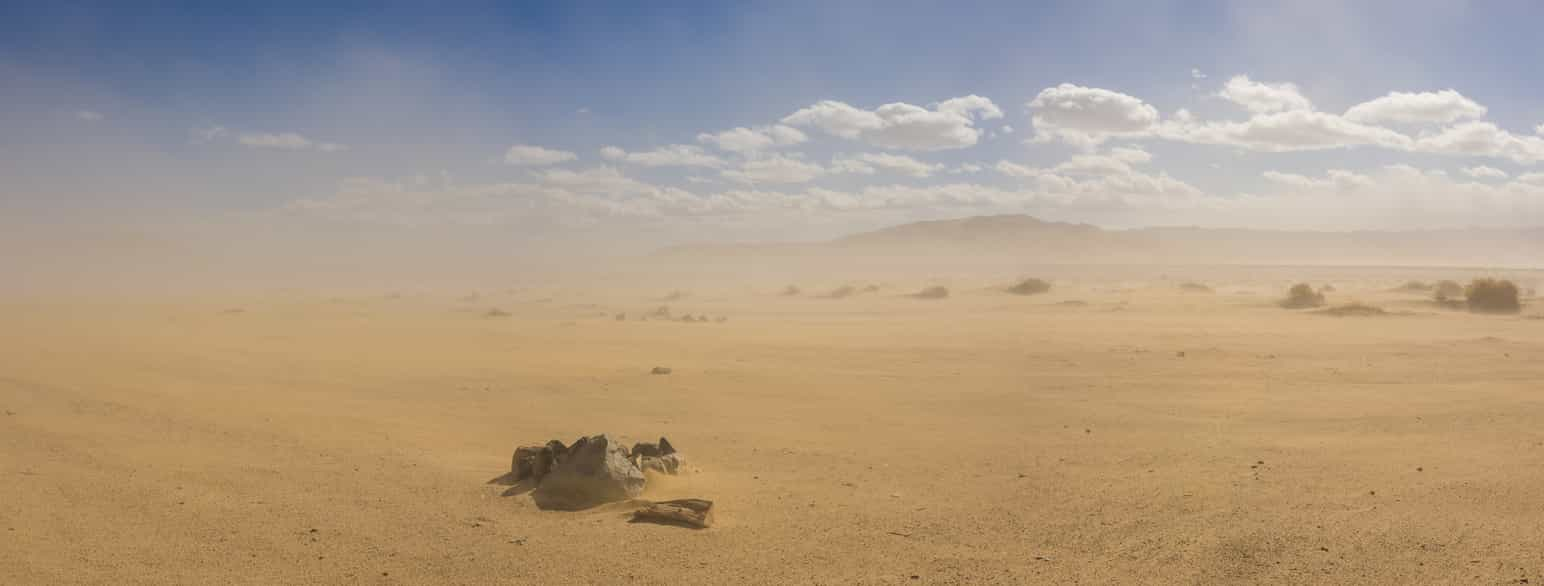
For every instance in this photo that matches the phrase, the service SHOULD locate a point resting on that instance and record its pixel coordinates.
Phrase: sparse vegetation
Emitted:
(934, 292)
(1030, 287)
(1193, 287)
(1447, 290)
(1492, 296)
(1414, 287)
(1354, 310)
(1302, 296)
(841, 292)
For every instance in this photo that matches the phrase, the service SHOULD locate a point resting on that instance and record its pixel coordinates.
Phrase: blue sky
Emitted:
(496, 116)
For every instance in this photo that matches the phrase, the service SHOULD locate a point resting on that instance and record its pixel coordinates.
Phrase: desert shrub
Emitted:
(495, 312)
(934, 292)
(841, 292)
(791, 291)
(1193, 287)
(1492, 296)
(1354, 310)
(1030, 287)
(1446, 290)
(1327, 288)
(676, 295)
(871, 289)
(1302, 296)
(1415, 287)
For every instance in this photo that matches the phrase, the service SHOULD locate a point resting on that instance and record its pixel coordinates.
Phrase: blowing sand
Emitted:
(984, 438)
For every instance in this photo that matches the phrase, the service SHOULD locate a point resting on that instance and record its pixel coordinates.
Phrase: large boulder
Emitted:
(593, 471)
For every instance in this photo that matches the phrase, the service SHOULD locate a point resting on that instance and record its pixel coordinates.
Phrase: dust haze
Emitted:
(991, 398)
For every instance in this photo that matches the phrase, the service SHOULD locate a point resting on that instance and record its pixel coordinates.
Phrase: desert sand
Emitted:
(1110, 431)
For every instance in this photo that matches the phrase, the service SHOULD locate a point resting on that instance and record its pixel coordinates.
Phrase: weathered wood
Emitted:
(697, 513)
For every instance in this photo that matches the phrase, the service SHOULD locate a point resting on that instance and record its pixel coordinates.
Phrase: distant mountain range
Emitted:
(1022, 238)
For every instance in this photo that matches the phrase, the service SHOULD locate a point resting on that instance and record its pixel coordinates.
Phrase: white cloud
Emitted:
(1477, 138)
(752, 139)
(951, 125)
(1007, 129)
(900, 164)
(89, 116)
(535, 156)
(774, 169)
(1196, 74)
(270, 140)
(1131, 154)
(1414, 108)
(1087, 116)
(1333, 179)
(675, 155)
(1539, 130)
(1293, 130)
(1260, 97)
(1484, 172)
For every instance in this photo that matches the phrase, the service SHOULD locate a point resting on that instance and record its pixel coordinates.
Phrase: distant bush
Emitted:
(1415, 287)
(1193, 287)
(841, 292)
(1030, 287)
(791, 291)
(1353, 310)
(1492, 296)
(1302, 296)
(1447, 290)
(934, 292)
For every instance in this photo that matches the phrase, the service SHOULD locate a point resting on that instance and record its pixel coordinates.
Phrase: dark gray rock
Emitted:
(591, 472)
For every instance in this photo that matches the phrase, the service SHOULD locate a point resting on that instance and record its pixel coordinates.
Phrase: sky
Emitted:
(628, 126)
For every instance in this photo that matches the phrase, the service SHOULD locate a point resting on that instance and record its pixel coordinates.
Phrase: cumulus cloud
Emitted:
(865, 163)
(269, 140)
(535, 156)
(950, 125)
(1088, 116)
(1292, 130)
(1478, 138)
(1260, 97)
(675, 155)
(1484, 172)
(1333, 179)
(1439, 107)
(752, 139)
(774, 169)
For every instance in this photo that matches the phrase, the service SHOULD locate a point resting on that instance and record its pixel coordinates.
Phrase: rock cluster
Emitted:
(592, 471)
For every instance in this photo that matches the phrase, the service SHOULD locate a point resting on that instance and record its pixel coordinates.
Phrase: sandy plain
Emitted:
(1106, 432)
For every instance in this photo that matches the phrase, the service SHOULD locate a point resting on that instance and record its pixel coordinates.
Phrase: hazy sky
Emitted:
(648, 123)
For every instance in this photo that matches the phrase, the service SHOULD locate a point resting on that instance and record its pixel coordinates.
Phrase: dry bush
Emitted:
(1446, 290)
(791, 291)
(1354, 310)
(676, 295)
(1193, 287)
(1302, 296)
(1030, 287)
(495, 312)
(841, 292)
(934, 292)
(1415, 287)
(1492, 296)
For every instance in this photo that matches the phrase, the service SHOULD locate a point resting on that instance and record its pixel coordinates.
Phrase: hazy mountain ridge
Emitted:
(1028, 239)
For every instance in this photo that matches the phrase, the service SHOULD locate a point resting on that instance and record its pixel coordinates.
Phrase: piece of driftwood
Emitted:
(697, 513)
